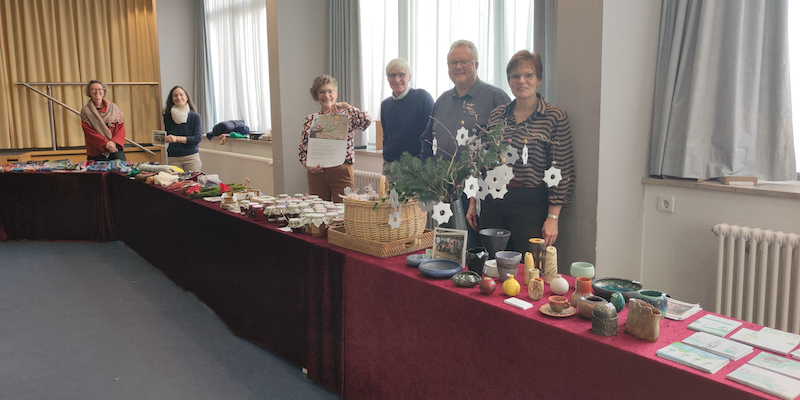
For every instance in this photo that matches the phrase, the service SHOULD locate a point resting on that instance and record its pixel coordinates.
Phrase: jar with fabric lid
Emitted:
(269, 213)
(296, 224)
(317, 225)
(257, 212)
(329, 217)
(244, 208)
(280, 215)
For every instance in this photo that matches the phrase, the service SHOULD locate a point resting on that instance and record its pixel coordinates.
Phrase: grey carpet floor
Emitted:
(95, 321)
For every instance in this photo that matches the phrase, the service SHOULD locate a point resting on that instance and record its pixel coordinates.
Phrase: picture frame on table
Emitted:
(450, 244)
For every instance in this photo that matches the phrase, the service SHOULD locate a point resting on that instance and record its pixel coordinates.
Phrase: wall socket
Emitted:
(666, 204)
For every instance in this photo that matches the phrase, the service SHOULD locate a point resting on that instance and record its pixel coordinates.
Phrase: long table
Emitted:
(368, 328)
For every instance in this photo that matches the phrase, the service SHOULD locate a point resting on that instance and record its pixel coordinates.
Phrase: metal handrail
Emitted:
(54, 100)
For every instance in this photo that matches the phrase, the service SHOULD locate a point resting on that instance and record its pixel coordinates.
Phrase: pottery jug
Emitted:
(559, 285)
(584, 289)
(657, 298)
(587, 304)
(476, 259)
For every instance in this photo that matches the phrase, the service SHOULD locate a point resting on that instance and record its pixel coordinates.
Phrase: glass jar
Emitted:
(317, 225)
(244, 207)
(257, 212)
(269, 212)
(296, 224)
(280, 214)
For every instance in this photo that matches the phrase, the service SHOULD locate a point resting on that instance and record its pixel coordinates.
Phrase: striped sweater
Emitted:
(549, 139)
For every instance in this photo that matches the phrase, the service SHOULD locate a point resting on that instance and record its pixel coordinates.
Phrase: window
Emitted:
(237, 46)
(422, 34)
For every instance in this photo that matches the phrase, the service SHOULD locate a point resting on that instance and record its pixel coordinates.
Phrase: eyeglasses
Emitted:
(528, 76)
(96, 90)
(463, 63)
(393, 75)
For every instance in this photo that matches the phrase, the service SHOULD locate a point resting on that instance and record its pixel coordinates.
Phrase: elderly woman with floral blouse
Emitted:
(329, 183)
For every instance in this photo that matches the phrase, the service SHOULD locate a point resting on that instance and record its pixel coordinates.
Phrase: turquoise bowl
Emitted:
(603, 287)
(655, 297)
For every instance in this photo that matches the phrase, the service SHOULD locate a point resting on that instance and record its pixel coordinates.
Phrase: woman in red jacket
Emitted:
(103, 125)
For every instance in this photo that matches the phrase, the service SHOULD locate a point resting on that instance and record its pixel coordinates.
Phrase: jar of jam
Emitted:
(257, 212)
(269, 213)
(280, 214)
(317, 225)
(244, 208)
(296, 224)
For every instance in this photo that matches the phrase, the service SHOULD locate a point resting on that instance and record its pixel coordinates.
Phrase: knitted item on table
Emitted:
(164, 179)
(144, 167)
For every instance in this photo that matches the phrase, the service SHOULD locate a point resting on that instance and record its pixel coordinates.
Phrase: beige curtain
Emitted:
(75, 41)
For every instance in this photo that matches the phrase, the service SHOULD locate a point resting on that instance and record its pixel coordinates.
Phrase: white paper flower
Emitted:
(506, 170)
(511, 155)
(425, 206)
(471, 186)
(442, 213)
(499, 192)
(483, 189)
(525, 154)
(462, 135)
(434, 145)
(478, 207)
(394, 199)
(475, 145)
(395, 219)
(552, 176)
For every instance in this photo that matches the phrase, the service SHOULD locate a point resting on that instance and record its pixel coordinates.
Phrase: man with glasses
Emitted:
(404, 115)
(450, 112)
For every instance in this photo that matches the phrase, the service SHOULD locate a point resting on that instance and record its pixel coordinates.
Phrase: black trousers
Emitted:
(522, 211)
(119, 155)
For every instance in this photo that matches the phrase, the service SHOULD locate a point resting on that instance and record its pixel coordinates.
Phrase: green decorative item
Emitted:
(618, 301)
(466, 279)
(442, 178)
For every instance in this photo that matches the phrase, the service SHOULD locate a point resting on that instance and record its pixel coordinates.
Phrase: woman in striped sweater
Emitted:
(530, 208)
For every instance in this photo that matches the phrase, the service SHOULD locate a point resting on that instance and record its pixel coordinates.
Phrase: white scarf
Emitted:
(180, 115)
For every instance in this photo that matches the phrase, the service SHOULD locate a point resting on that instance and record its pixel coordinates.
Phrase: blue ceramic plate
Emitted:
(603, 287)
(414, 260)
(440, 268)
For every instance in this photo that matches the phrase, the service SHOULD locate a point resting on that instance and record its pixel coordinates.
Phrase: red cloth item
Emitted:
(96, 141)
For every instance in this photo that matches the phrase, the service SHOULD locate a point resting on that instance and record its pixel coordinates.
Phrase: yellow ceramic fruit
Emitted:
(511, 286)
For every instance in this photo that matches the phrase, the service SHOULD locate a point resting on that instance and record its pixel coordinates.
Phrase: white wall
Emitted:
(578, 83)
(630, 40)
(297, 55)
(175, 20)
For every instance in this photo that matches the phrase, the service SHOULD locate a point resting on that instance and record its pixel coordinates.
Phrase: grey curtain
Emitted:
(544, 43)
(722, 96)
(344, 49)
(204, 90)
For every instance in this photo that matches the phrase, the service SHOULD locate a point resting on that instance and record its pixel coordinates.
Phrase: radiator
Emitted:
(758, 276)
(363, 178)
(237, 168)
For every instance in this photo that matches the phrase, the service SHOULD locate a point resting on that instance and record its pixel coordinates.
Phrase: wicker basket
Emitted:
(366, 220)
(338, 237)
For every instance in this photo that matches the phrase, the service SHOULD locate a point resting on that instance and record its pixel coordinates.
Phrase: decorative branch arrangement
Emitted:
(442, 179)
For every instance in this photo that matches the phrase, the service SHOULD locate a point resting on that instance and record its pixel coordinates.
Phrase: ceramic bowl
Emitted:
(414, 260)
(587, 304)
(466, 279)
(603, 287)
(439, 268)
(490, 269)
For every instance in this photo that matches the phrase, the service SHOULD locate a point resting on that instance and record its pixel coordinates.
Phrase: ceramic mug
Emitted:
(476, 259)
(558, 303)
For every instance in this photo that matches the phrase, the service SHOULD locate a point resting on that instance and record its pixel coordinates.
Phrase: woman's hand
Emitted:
(337, 108)
(111, 147)
(472, 214)
(550, 231)
(315, 169)
(175, 139)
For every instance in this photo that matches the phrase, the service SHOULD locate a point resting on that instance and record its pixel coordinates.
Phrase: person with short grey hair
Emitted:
(453, 110)
(404, 115)
(103, 125)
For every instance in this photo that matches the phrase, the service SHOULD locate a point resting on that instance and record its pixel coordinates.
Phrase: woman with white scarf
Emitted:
(103, 125)
(184, 130)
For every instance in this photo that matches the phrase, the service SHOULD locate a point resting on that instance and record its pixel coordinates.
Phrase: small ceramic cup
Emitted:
(558, 303)
(581, 269)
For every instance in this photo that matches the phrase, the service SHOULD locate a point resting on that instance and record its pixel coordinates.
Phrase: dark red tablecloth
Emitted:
(412, 337)
(55, 206)
(281, 290)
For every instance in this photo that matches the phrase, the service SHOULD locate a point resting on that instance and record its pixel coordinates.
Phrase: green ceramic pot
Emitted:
(657, 298)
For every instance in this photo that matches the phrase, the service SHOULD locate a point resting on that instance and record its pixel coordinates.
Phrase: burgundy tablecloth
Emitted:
(281, 290)
(54, 206)
(412, 337)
